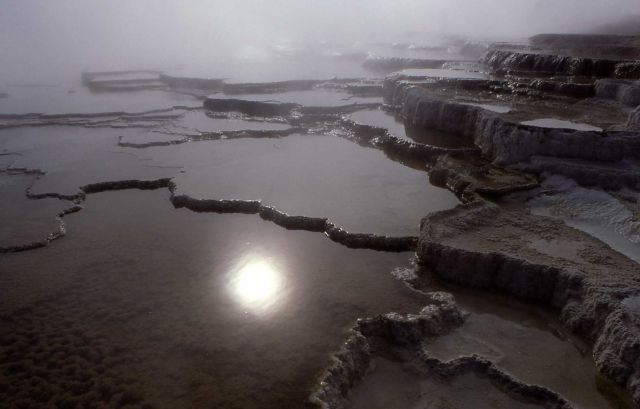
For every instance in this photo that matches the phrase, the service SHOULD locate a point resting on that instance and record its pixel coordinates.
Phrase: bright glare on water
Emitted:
(257, 284)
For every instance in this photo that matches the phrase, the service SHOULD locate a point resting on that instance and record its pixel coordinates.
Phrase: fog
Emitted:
(46, 39)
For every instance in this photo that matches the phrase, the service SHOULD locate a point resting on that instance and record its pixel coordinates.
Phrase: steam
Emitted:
(40, 37)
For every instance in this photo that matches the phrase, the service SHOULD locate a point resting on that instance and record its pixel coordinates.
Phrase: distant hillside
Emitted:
(614, 44)
(585, 40)
(628, 26)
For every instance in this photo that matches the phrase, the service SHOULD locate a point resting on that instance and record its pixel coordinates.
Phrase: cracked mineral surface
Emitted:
(335, 226)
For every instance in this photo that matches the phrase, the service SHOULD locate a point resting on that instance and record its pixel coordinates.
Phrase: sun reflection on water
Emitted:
(257, 284)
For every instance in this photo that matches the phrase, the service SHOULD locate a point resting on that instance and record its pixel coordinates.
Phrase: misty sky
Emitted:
(64, 35)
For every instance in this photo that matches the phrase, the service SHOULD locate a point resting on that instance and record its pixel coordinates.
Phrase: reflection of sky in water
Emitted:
(257, 284)
(561, 124)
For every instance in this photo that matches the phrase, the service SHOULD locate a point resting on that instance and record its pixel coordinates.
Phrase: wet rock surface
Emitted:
(634, 119)
(483, 246)
(523, 63)
(253, 108)
(470, 177)
(625, 46)
(352, 362)
(507, 142)
(626, 92)
(199, 161)
(385, 356)
(563, 146)
(612, 217)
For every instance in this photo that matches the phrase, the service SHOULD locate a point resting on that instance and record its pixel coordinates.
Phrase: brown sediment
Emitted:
(469, 176)
(69, 365)
(611, 176)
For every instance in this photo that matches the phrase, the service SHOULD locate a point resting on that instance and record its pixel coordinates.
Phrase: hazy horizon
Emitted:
(42, 39)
